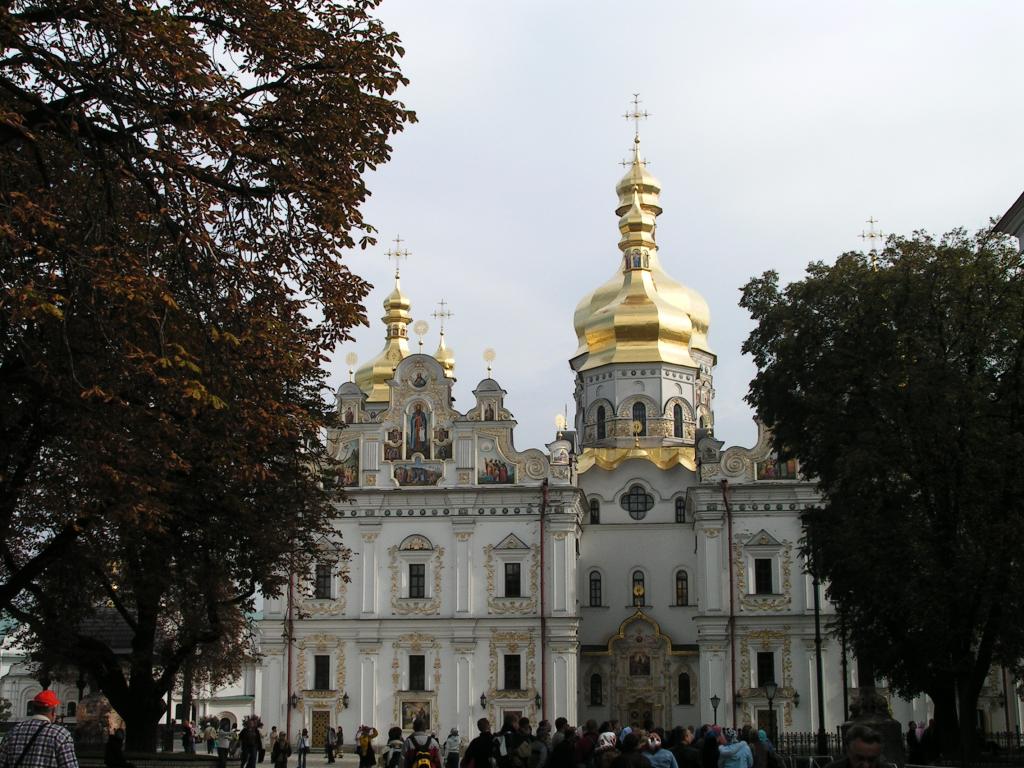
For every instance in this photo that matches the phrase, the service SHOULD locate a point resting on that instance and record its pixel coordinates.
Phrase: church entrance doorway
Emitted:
(320, 723)
(637, 712)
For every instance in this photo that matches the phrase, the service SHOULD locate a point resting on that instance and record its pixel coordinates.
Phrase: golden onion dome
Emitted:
(640, 314)
(446, 358)
(374, 375)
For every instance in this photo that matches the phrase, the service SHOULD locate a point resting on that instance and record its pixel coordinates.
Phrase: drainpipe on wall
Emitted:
(288, 629)
(732, 610)
(543, 607)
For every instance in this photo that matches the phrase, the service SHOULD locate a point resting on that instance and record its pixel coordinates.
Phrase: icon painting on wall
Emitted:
(774, 469)
(346, 472)
(418, 434)
(418, 473)
(415, 710)
(492, 469)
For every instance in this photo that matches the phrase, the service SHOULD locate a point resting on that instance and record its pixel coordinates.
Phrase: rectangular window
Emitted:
(763, 576)
(513, 587)
(765, 667)
(417, 580)
(513, 681)
(322, 673)
(322, 582)
(417, 672)
(595, 590)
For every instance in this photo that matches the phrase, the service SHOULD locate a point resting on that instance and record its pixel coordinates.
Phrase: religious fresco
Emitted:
(350, 415)
(442, 443)
(419, 381)
(774, 469)
(346, 472)
(640, 665)
(417, 435)
(415, 710)
(418, 472)
(492, 469)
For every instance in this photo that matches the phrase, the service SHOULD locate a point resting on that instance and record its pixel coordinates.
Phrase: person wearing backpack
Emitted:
(393, 754)
(421, 749)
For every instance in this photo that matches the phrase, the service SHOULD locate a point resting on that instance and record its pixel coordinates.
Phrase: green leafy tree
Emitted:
(179, 181)
(898, 382)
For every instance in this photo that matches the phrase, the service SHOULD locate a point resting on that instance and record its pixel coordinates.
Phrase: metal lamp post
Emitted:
(715, 701)
(770, 689)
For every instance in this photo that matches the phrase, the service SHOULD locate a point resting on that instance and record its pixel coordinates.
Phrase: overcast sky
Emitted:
(776, 130)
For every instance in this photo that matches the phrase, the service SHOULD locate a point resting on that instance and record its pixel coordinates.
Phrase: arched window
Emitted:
(637, 502)
(322, 581)
(682, 588)
(640, 417)
(601, 429)
(595, 511)
(677, 420)
(595, 589)
(595, 690)
(680, 510)
(639, 588)
(71, 708)
(684, 688)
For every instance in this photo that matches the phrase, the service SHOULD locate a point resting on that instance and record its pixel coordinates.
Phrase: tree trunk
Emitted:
(945, 740)
(141, 714)
(186, 691)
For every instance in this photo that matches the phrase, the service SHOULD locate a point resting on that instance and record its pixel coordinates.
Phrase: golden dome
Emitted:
(640, 314)
(446, 358)
(373, 376)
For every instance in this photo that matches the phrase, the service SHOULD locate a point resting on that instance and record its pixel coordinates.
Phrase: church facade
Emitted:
(638, 569)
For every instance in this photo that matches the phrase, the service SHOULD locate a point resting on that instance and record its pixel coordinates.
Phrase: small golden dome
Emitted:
(446, 358)
(640, 314)
(374, 375)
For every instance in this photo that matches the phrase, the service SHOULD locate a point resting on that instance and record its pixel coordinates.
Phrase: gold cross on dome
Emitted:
(636, 115)
(396, 254)
(442, 314)
(872, 237)
(627, 163)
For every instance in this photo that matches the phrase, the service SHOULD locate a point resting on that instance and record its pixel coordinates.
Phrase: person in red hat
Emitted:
(37, 742)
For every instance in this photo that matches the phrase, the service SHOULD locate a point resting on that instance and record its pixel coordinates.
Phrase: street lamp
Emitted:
(537, 700)
(483, 700)
(770, 689)
(715, 701)
(294, 700)
(344, 701)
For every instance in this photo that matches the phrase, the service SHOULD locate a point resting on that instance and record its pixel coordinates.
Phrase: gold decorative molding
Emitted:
(370, 537)
(712, 533)
(610, 458)
(463, 536)
(404, 606)
(511, 605)
(774, 603)
(512, 642)
(321, 641)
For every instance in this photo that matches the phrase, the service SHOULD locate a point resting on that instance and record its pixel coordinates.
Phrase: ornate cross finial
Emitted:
(872, 237)
(396, 254)
(636, 116)
(442, 314)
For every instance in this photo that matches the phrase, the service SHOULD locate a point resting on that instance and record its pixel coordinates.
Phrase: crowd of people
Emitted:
(518, 745)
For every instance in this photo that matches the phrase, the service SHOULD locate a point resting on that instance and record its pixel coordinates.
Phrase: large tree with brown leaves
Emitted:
(178, 182)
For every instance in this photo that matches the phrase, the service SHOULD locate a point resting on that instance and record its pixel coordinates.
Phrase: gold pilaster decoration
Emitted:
(768, 639)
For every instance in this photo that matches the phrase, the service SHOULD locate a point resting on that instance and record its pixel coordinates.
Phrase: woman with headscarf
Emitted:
(734, 753)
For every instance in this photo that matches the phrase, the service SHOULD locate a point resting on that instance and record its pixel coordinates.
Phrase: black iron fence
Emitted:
(802, 743)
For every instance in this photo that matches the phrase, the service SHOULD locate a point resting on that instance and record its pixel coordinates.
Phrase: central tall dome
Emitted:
(643, 365)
